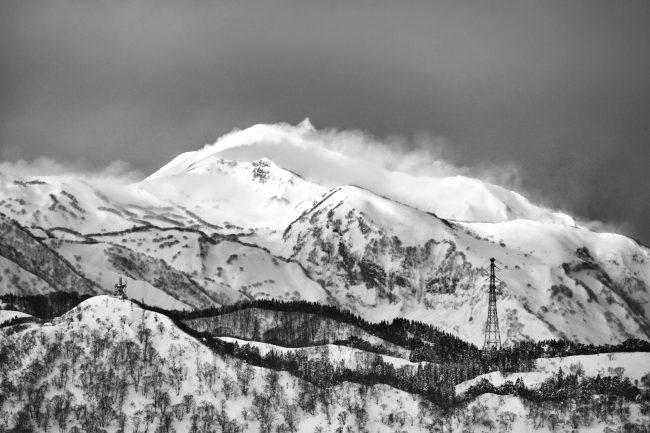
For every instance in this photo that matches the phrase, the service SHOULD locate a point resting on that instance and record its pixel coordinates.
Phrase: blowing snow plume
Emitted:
(116, 173)
(413, 174)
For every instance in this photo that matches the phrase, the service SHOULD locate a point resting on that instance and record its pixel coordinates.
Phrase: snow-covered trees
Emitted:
(104, 372)
(263, 410)
(245, 374)
(61, 405)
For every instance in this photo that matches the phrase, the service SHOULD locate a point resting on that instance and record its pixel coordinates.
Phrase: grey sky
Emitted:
(559, 88)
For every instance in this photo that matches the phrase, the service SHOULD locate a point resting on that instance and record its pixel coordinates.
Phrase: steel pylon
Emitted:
(492, 337)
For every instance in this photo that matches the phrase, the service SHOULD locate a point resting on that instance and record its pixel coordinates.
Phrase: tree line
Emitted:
(45, 306)
(450, 359)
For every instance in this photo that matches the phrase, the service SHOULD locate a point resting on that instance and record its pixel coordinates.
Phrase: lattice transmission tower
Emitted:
(120, 289)
(492, 336)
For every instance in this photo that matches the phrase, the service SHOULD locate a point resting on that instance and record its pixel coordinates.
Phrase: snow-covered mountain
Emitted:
(275, 211)
(304, 150)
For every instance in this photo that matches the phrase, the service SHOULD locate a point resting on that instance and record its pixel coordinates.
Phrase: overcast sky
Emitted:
(560, 89)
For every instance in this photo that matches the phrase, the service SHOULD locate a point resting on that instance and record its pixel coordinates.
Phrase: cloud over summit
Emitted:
(421, 155)
(553, 94)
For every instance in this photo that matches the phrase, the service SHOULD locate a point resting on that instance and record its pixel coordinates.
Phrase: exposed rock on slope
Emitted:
(39, 266)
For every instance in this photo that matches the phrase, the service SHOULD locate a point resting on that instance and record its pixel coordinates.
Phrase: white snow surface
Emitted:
(385, 409)
(632, 365)
(105, 314)
(349, 357)
(6, 315)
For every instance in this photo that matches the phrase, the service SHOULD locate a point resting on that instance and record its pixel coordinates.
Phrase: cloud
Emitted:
(345, 156)
(424, 154)
(429, 155)
(607, 226)
(353, 154)
(411, 171)
(560, 109)
(117, 172)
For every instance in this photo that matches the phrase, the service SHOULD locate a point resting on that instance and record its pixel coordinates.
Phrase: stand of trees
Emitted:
(450, 359)
(46, 306)
(566, 387)
(402, 332)
(110, 363)
(17, 321)
(426, 342)
(435, 382)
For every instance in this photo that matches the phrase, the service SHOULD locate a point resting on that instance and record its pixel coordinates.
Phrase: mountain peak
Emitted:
(265, 170)
(306, 125)
(319, 157)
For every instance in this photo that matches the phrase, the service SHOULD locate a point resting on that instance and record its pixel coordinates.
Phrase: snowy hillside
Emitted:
(633, 366)
(349, 357)
(108, 365)
(160, 376)
(6, 315)
(275, 211)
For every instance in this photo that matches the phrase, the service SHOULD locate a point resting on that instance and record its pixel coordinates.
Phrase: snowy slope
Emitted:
(634, 366)
(6, 315)
(290, 329)
(348, 357)
(168, 348)
(386, 259)
(255, 194)
(109, 364)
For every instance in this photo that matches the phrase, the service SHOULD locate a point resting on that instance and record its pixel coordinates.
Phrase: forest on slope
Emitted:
(92, 365)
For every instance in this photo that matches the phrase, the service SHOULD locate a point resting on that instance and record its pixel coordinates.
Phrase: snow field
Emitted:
(632, 365)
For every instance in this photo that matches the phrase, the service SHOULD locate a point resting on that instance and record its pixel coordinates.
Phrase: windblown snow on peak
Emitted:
(333, 158)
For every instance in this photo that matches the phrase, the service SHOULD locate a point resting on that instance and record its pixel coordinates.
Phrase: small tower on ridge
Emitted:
(492, 336)
(119, 289)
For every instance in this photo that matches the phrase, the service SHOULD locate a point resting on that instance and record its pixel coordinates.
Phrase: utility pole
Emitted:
(492, 336)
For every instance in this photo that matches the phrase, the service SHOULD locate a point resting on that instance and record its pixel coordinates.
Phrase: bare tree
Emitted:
(207, 413)
(228, 387)
(361, 416)
(61, 406)
(161, 401)
(34, 402)
(553, 420)
(273, 388)
(166, 421)
(149, 416)
(136, 420)
(290, 413)
(244, 377)
(263, 410)
(188, 403)
(227, 425)
(176, 377)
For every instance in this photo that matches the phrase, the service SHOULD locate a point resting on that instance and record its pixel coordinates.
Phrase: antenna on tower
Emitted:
(492, 336)
(119, 289)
